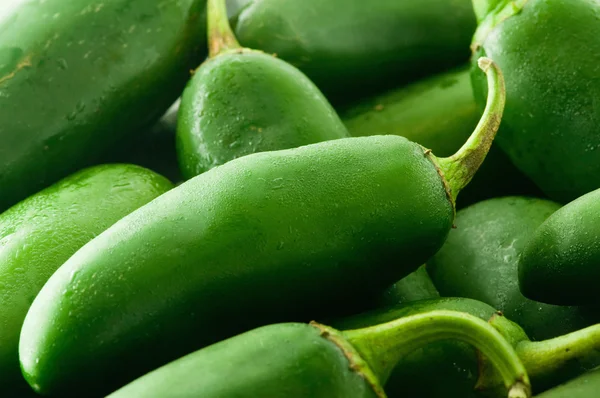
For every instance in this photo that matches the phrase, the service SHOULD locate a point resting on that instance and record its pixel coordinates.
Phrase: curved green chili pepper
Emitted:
(40, 233)
(561, 262)
(353, 47)
(79, 79)
(457, 368)
(242, 101)
(480, 260)
(550, 51)
(299, 360)
(264, 238)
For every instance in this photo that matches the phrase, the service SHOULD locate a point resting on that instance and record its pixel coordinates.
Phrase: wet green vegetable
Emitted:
(314, 228)
(40, 233)
(561, 262)
(480, 260)
(241, 101)
(79, 79)
(413, 287)
(549, 51)
(353, 47)
(584, 386)
(458, 370)
(439, 113)
(298, 360)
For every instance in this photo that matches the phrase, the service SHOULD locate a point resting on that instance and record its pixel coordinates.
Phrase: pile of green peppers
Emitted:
(299, 198)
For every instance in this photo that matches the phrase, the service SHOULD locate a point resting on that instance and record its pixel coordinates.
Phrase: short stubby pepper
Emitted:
(561, 262)
(549, 51)
(242, 101)
(480, 260)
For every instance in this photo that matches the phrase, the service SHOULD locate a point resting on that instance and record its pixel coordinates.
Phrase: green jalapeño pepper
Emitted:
(459, 371)
(352, 47)
(265, 238)
(585, 386)
(40, 233)
(550, 51)
(439, 113)
(561, 262)
(480, 260)
(79, 78)
(413, 287)
(297, 360)
(241, 101)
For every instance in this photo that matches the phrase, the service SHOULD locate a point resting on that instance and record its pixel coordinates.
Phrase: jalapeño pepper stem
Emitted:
(460, 168)
(220, 35)
(483, 7)
(383, 346)
(546, 361)
(548, 358)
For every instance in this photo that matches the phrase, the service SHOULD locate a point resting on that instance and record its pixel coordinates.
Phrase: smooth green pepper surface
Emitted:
(302, 229)
(79, 78)
(549, 51)
(352, 47)
(561, 262)
(285, 360)
(585, 386)
(294, 232)
(40, 233)
(439, 113)
(480, 260)
(299, 361)
(243, 101)
(413, 287)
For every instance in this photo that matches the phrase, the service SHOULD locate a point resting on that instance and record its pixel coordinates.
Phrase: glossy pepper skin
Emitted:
(353, 47)
(298, 360)
(413, 287)
(40, 233)
(439, 112)
(268, 237)
(79, 78)
(291, 359)
(180, 272)
(585, 386)
(561, 262)
(480, 260)
(457, 368)
(550, 51)
(241, 101)
(245, 101)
